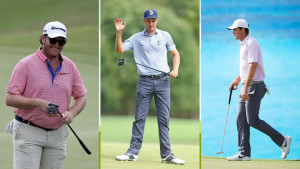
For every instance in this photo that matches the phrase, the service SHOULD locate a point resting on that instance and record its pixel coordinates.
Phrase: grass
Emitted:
(116, 135)
(20, 38)
(148, 157)
(208, 162)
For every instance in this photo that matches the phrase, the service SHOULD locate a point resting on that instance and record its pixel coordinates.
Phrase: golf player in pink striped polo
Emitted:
(46, 76)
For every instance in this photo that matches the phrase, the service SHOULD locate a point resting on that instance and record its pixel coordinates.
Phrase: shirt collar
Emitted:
(42, 57)
(146, 33)
(245, 40)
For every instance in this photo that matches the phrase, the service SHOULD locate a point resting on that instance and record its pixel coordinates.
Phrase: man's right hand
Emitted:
(119, 25)
(235, 83)
(43, 106)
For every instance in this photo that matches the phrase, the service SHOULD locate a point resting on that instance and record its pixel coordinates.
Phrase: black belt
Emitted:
(20, 119)
(155, 76)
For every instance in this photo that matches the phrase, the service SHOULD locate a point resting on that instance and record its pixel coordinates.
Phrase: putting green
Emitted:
(116, 135)
(208, 162)
(148, 157)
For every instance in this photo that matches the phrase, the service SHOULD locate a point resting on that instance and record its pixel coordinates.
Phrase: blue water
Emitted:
(276, 26)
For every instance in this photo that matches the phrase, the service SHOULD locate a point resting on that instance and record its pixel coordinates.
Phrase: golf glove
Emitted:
(9, 127)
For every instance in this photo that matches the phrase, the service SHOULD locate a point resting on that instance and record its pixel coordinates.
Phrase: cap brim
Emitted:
(55, 35)
(150, 18)
(231, 27)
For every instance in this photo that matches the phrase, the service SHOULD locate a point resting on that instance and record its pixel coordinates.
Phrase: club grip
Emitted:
(230, 94)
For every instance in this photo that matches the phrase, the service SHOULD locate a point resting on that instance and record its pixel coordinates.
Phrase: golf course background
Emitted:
(21, 26)
(118, 85)
(275, 24)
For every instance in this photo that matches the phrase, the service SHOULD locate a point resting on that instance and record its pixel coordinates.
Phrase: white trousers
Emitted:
(35, 148)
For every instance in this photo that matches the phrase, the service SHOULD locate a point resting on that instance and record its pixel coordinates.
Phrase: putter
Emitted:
(121, 62)
(81, 143)
(221, 152)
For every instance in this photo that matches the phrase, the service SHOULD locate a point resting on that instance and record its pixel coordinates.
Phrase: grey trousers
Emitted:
(248, 115)
(146, 89)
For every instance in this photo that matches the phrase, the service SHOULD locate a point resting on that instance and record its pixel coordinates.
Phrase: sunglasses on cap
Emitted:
(53, 41)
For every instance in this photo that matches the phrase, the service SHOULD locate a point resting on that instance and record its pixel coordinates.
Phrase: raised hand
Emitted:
(119, 25)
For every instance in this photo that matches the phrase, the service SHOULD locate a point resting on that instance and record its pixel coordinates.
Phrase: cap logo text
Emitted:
(53, 27)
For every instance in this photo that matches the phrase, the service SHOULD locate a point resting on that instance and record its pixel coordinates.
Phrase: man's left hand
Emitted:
(245, 96)
(67, 117)
(173, 74)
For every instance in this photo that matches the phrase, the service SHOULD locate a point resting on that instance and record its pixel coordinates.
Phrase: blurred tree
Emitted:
(118, 84)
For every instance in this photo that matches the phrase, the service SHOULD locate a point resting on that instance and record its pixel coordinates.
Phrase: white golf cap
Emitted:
(239, 23)
(55, 29)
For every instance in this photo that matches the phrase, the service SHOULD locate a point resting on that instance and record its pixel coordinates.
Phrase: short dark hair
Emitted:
(246, 30)
(41, 38)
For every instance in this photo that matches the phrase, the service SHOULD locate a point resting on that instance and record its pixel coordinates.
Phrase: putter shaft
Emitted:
(81, 143)
(225, 129)
(226, 120)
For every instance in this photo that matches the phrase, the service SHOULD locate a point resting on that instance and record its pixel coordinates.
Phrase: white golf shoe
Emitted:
(238, 157)
(127, 157)
(172, 159)
(285, 148)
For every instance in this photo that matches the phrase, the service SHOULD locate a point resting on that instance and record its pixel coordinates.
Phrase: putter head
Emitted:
(221, 152)
(121, 62)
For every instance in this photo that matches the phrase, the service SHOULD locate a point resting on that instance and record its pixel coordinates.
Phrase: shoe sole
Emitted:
(126, 159)
(170, 162)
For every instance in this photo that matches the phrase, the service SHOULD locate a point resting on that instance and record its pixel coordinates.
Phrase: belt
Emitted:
(256, 82)
(20, 119)
(155, 77)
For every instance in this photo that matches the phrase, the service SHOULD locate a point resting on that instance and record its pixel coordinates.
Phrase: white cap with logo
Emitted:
(239, 23)
(55, 29)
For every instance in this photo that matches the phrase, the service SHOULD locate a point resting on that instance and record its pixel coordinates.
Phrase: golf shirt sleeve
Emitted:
(252, 50)
(18, 79)
(128, 44)
(78, 86)
(169, 42)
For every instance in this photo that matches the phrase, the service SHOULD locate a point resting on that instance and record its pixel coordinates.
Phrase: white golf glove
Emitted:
(9, 127)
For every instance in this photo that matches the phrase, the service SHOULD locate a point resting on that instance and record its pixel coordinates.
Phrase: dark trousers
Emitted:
(146, 89)
(248, 115)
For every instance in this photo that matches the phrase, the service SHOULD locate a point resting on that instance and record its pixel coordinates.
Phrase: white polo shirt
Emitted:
(250, 52)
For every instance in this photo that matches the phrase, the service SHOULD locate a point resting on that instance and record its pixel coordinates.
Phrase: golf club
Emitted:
(121, 62)
(81, 143)
(221, 152)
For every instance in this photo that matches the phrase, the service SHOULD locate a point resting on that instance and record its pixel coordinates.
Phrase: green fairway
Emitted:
(221, 163)
(116, 134)
(22, 25)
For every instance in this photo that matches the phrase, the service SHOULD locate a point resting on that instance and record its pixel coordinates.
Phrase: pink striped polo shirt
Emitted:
(31, 78)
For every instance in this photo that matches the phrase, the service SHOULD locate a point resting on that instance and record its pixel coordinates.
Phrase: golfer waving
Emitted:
(150, 48)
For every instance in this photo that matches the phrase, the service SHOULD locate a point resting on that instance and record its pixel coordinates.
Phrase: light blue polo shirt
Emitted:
(150, 51)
